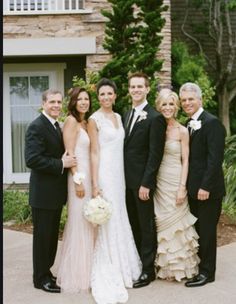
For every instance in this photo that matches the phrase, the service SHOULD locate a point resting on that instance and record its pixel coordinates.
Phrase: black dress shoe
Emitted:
(144, 280)
(199, 280)
(49, 287)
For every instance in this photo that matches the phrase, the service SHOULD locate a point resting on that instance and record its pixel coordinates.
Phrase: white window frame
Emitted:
(54, 7)
(55, 81)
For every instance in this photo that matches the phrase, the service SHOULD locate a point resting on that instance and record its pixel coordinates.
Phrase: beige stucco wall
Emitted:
(81, 25)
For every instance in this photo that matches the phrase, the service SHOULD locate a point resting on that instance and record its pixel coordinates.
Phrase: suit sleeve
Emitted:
(156, 149)
(35, 153)
(215, 153)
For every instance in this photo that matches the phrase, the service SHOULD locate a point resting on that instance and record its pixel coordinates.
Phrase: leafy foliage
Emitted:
(133, 39)
(185, 68)
(210, 25)
(229, 166)
(16, 207)
(232, 4)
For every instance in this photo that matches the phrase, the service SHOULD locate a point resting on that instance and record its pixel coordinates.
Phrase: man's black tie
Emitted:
(58, 129)
(188, 126)
(130, 121)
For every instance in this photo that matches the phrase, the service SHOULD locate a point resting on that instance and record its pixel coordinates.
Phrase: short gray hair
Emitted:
(50, 92)
(190, 86)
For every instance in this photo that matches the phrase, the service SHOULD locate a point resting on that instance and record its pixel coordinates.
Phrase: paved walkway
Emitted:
(18, 288)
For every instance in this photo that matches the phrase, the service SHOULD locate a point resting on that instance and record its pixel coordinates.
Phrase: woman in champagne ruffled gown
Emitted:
(74, 273)
(116, 262)
(177, 239)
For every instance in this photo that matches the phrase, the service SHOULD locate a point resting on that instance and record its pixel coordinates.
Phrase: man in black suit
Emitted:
(44, 154)
(143, 150)
(205, 183)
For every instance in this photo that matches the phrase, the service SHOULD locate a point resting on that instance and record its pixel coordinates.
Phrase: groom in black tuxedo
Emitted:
(143, 150)
(205, 183)
(44, 154)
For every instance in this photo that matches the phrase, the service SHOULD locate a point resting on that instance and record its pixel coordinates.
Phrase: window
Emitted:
(23, 85)
(25, 101)
(42, 6)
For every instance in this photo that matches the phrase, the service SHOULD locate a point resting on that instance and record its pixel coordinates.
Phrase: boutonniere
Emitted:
(142, 115)
(195, 124)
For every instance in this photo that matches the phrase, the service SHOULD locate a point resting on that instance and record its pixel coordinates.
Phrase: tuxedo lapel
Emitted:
(136, 125)
(50, 127)
(201, 118)
(126, 119)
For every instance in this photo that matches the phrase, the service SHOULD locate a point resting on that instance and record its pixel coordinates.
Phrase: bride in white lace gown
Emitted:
(116, 263)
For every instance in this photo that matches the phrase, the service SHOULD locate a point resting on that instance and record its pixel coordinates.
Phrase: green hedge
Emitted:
(16, 208)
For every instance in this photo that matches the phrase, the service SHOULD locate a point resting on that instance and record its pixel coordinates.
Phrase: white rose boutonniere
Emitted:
(195, 125)
(142, 115)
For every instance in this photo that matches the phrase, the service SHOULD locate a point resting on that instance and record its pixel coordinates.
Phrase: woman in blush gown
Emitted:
(177, 239)
(75, 264)
(116, 262)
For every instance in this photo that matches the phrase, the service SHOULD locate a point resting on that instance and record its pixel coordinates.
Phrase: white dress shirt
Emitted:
(138, 110)
(197, 114)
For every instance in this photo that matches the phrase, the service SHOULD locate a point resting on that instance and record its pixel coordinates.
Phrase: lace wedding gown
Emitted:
(177, 239)
(76, 258)
(116, 262)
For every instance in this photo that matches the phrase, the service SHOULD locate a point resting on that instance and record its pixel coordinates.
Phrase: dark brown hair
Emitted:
(106, 82)
(74, 93)
(139, 75)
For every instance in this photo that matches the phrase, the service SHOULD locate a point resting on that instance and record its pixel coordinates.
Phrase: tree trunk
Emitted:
(223, 98)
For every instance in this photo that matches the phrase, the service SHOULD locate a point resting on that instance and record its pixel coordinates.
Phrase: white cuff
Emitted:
(78, 178)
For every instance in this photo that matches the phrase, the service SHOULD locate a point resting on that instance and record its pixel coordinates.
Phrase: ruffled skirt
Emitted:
(177, 250)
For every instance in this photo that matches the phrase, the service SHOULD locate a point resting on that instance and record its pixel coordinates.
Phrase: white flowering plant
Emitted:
(195, 124)
(142, 115)
(97, 210)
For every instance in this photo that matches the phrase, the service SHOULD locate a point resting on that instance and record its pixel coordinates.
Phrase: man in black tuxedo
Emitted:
(44, 154)
(205, 183)
(143, 150)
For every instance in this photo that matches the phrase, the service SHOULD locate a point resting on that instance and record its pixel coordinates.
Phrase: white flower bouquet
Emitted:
(97, 210)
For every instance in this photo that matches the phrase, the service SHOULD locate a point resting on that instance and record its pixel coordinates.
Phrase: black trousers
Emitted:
(45, 239)
(207, 213)
(142, 221)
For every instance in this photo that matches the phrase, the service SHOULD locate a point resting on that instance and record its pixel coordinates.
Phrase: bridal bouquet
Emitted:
(97, 210)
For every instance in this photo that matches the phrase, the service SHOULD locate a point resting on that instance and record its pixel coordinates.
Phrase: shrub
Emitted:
(63, 218)
(133, 39)
(229, 166)
(16, 207)
(191, 68)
